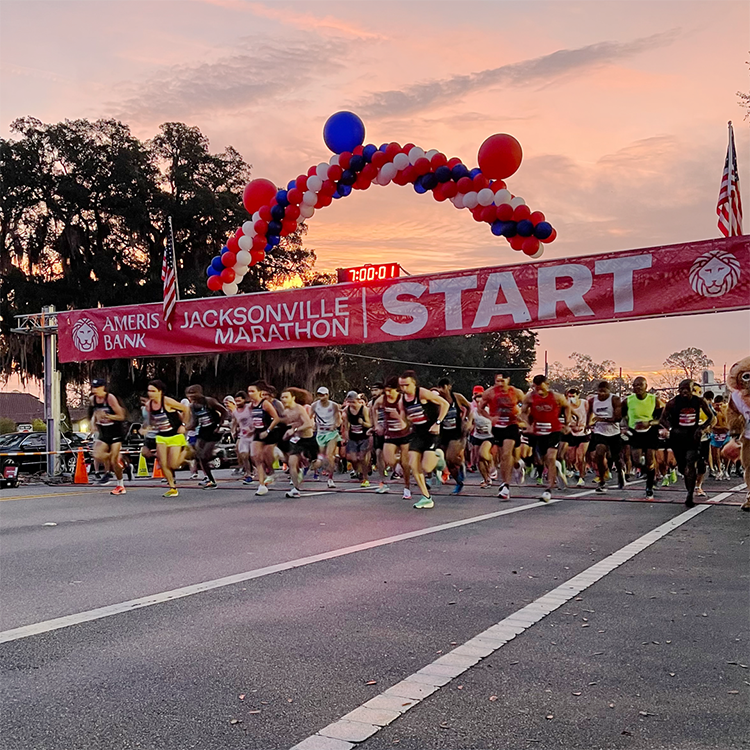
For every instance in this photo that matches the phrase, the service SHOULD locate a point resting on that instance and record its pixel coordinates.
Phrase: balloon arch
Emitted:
(276, 213)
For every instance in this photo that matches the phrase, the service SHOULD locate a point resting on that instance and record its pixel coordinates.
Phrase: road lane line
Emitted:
(25, 631)
(367, 719)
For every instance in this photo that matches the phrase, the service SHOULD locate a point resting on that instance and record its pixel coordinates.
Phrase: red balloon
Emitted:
(505, 212)
(521, 212)
(476, 212)
(313, 170)
(265, 212)
(454, 161)
(334, 173)
(489, 214)
(465, 185)
(409, 175)
(239, 233)
(227, 276)
(401, 178)
(260, 226)
(214, 283)
(233, 246)
(551, 238)
(257, 256)
(439, 160)
(391, 150)
(450, 189)
(369, 172)
(479, 182)
(294, 196)
(259, 243)
(406, 148)
(257, 193)
(378, 159)
(530, 245)
(288, 226)
(344, 158)
(358, 150)
(292, 212)
(517, 242)
(229, 259)
(498, 185)
(439, 195)
(535, 218)
(421, 166)
(301, 182)
(361, 183)
(500, 156)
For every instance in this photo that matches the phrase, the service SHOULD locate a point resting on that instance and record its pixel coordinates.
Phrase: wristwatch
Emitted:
(438, 421)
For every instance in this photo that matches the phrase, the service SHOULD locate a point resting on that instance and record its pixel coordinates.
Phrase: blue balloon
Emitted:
(429, 181)
(357, 163)
(459, 171)
(281, 198)
(419, 187)
(344, 190)
(383, 147)
(343, 131)
(224, 249)
(497, 227)
(291, 184)
(349, 177)
(443, 174)
(211, 271)
(543, 230)
(216, 264)
(274, 227)
(369, 151)
(336, 195)
(525, 228)
(269, 248)
(277, 213)
(474, 172)
(509, 230)
(273, 240)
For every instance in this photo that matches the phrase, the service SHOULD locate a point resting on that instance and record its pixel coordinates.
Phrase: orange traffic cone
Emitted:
(81, 475)
(158, 473)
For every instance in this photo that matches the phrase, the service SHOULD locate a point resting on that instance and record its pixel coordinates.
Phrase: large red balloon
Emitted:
(258, 193)
(214, 283)
(500, 156)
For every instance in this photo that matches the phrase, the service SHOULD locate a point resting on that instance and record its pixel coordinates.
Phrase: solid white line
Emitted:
(382, 710)
(57, 623)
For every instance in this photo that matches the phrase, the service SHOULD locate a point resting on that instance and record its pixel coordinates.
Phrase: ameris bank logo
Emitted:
(715, 273)
(85, 335)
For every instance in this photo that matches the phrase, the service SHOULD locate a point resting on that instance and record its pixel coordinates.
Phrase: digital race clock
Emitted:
(364, 274)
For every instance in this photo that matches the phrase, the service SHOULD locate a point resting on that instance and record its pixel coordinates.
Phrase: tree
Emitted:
(743, 99)
(688, 363)
(586, 374)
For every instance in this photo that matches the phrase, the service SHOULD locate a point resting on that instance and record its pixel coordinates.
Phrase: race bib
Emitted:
(542, 428)
(688, 418)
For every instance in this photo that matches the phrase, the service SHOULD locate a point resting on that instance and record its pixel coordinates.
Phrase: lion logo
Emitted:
(714, 273)
(85, 335)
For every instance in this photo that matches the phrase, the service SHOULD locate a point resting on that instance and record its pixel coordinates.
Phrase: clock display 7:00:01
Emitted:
(363, 274)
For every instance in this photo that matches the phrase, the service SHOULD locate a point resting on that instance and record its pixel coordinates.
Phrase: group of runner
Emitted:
(406, 431)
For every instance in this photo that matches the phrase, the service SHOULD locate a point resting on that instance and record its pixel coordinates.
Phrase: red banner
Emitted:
(696, 277)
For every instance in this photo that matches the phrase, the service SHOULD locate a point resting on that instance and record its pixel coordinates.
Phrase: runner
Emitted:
(243, 428)
(275, 436)
(642, 411)
(579, 437)
(705, 449)
(453, 432)
(681, 416)
(377, 418)
(396, 433)
(605, 413)
(168, 418)
(207, 415)
(719, 438)
(501, 405)
(108, 414)
(425, 412)
(265, 419)
(327, 416)
(547, 414)
(481, 438)
(355, 426)
(299, 441)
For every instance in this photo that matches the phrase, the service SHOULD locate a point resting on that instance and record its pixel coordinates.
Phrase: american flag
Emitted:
(729, 207)
(169, 277)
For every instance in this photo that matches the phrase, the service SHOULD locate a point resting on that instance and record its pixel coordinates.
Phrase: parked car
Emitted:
(225, 452)
(32, 447)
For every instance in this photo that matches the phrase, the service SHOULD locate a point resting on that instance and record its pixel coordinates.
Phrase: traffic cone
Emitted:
(158, 473)
(81, 475)
(142, 467)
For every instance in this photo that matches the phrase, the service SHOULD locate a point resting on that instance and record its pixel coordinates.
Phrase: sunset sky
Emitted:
(621, 108)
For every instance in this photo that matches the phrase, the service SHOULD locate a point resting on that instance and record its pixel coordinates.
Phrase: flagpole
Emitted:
(730, 166)
(174, 256)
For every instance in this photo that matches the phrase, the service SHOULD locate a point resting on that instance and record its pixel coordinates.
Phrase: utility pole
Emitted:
(46, 324)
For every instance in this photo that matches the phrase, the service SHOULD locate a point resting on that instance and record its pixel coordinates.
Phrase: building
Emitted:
(21, 408)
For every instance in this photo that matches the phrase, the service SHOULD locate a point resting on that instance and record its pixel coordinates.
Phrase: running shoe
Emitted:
(673, 476)
(270, 479)
(649, 494)
(546, 496)
(171, 492)
(247, 481)
(540, 481)
(209, 485)
(580, 482)
(195, 476)
(562, 479)
(424, 503)
(365, 484)
(331, 484)
(119, 490)
(665, 482)
(382, 489)
(407, 493)
(204, 482)
(689, 502)
(484, 485)
(700, 492)
(745, 506)
(504, 492)
(294, 492)
(262, 490)
(600, 488)
(493, 474)
(444, 476)
(106, 479)
(457, 489)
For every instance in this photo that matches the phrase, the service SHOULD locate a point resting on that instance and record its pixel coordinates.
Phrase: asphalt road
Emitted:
(312, 607)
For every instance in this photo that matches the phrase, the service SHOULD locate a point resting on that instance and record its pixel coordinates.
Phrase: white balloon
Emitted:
(432, 152)
(517, 201)
(389, 170)
(309, 199)
(322, 170)
(243, 257)
(457, 200)
(400, 161)
(334, 160)
(471, 199)
(306, 210)
(256, 216)
(383, 180)
(503, 196)
(538, 253)
(415, 153)
(239, 272)
(245, 243)
(314, 183)
(248, 228)
(229, 289)
(485, 197)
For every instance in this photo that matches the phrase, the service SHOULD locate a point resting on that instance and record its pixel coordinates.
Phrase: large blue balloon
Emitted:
(543, 230)
(343, 131)
(217, 264)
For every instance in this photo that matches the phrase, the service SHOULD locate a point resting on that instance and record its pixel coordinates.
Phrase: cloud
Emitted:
(540, 71)
(327, 25)
(229, 84)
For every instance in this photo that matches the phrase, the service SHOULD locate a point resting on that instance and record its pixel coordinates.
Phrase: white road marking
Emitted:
(66, 621)
(382, 710)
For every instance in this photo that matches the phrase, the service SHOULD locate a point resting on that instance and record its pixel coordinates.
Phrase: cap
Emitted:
(351, 396)
(98, 383)
(477, 390)
(229, 399)
(323, 391)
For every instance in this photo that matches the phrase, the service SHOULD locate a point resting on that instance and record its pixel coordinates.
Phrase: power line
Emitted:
(444, 367)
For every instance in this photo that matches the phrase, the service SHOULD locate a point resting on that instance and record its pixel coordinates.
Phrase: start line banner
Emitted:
(695, 277)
